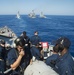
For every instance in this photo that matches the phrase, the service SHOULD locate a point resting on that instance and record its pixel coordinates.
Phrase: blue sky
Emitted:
(51, 7)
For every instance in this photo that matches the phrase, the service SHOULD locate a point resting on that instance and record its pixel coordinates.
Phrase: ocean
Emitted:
(50, 28)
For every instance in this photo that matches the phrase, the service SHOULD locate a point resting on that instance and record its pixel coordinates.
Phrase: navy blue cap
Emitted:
(24, 32)
(64, 41)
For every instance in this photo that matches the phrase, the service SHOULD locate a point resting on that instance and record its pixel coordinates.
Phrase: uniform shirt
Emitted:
(2, 59)
(35, 52)
(2, 53)
(27, 46)
(35, 40)
(12, 56)
(51, 60)
(65, 65)
(26, 38)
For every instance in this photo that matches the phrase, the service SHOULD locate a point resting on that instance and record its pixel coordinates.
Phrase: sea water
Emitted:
(50, 28)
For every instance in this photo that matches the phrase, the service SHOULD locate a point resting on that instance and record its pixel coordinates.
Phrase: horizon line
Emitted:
(44, 14)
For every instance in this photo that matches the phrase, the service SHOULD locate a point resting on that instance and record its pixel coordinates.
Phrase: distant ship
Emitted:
(32, 14)
(18, 15)
(42, 15)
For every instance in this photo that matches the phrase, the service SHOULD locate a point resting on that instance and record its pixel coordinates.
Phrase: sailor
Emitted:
(51, 60)
(17, 58)
(2, 56)
(27, 45)
(26, 38)
(64, 64)
(35, 39)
